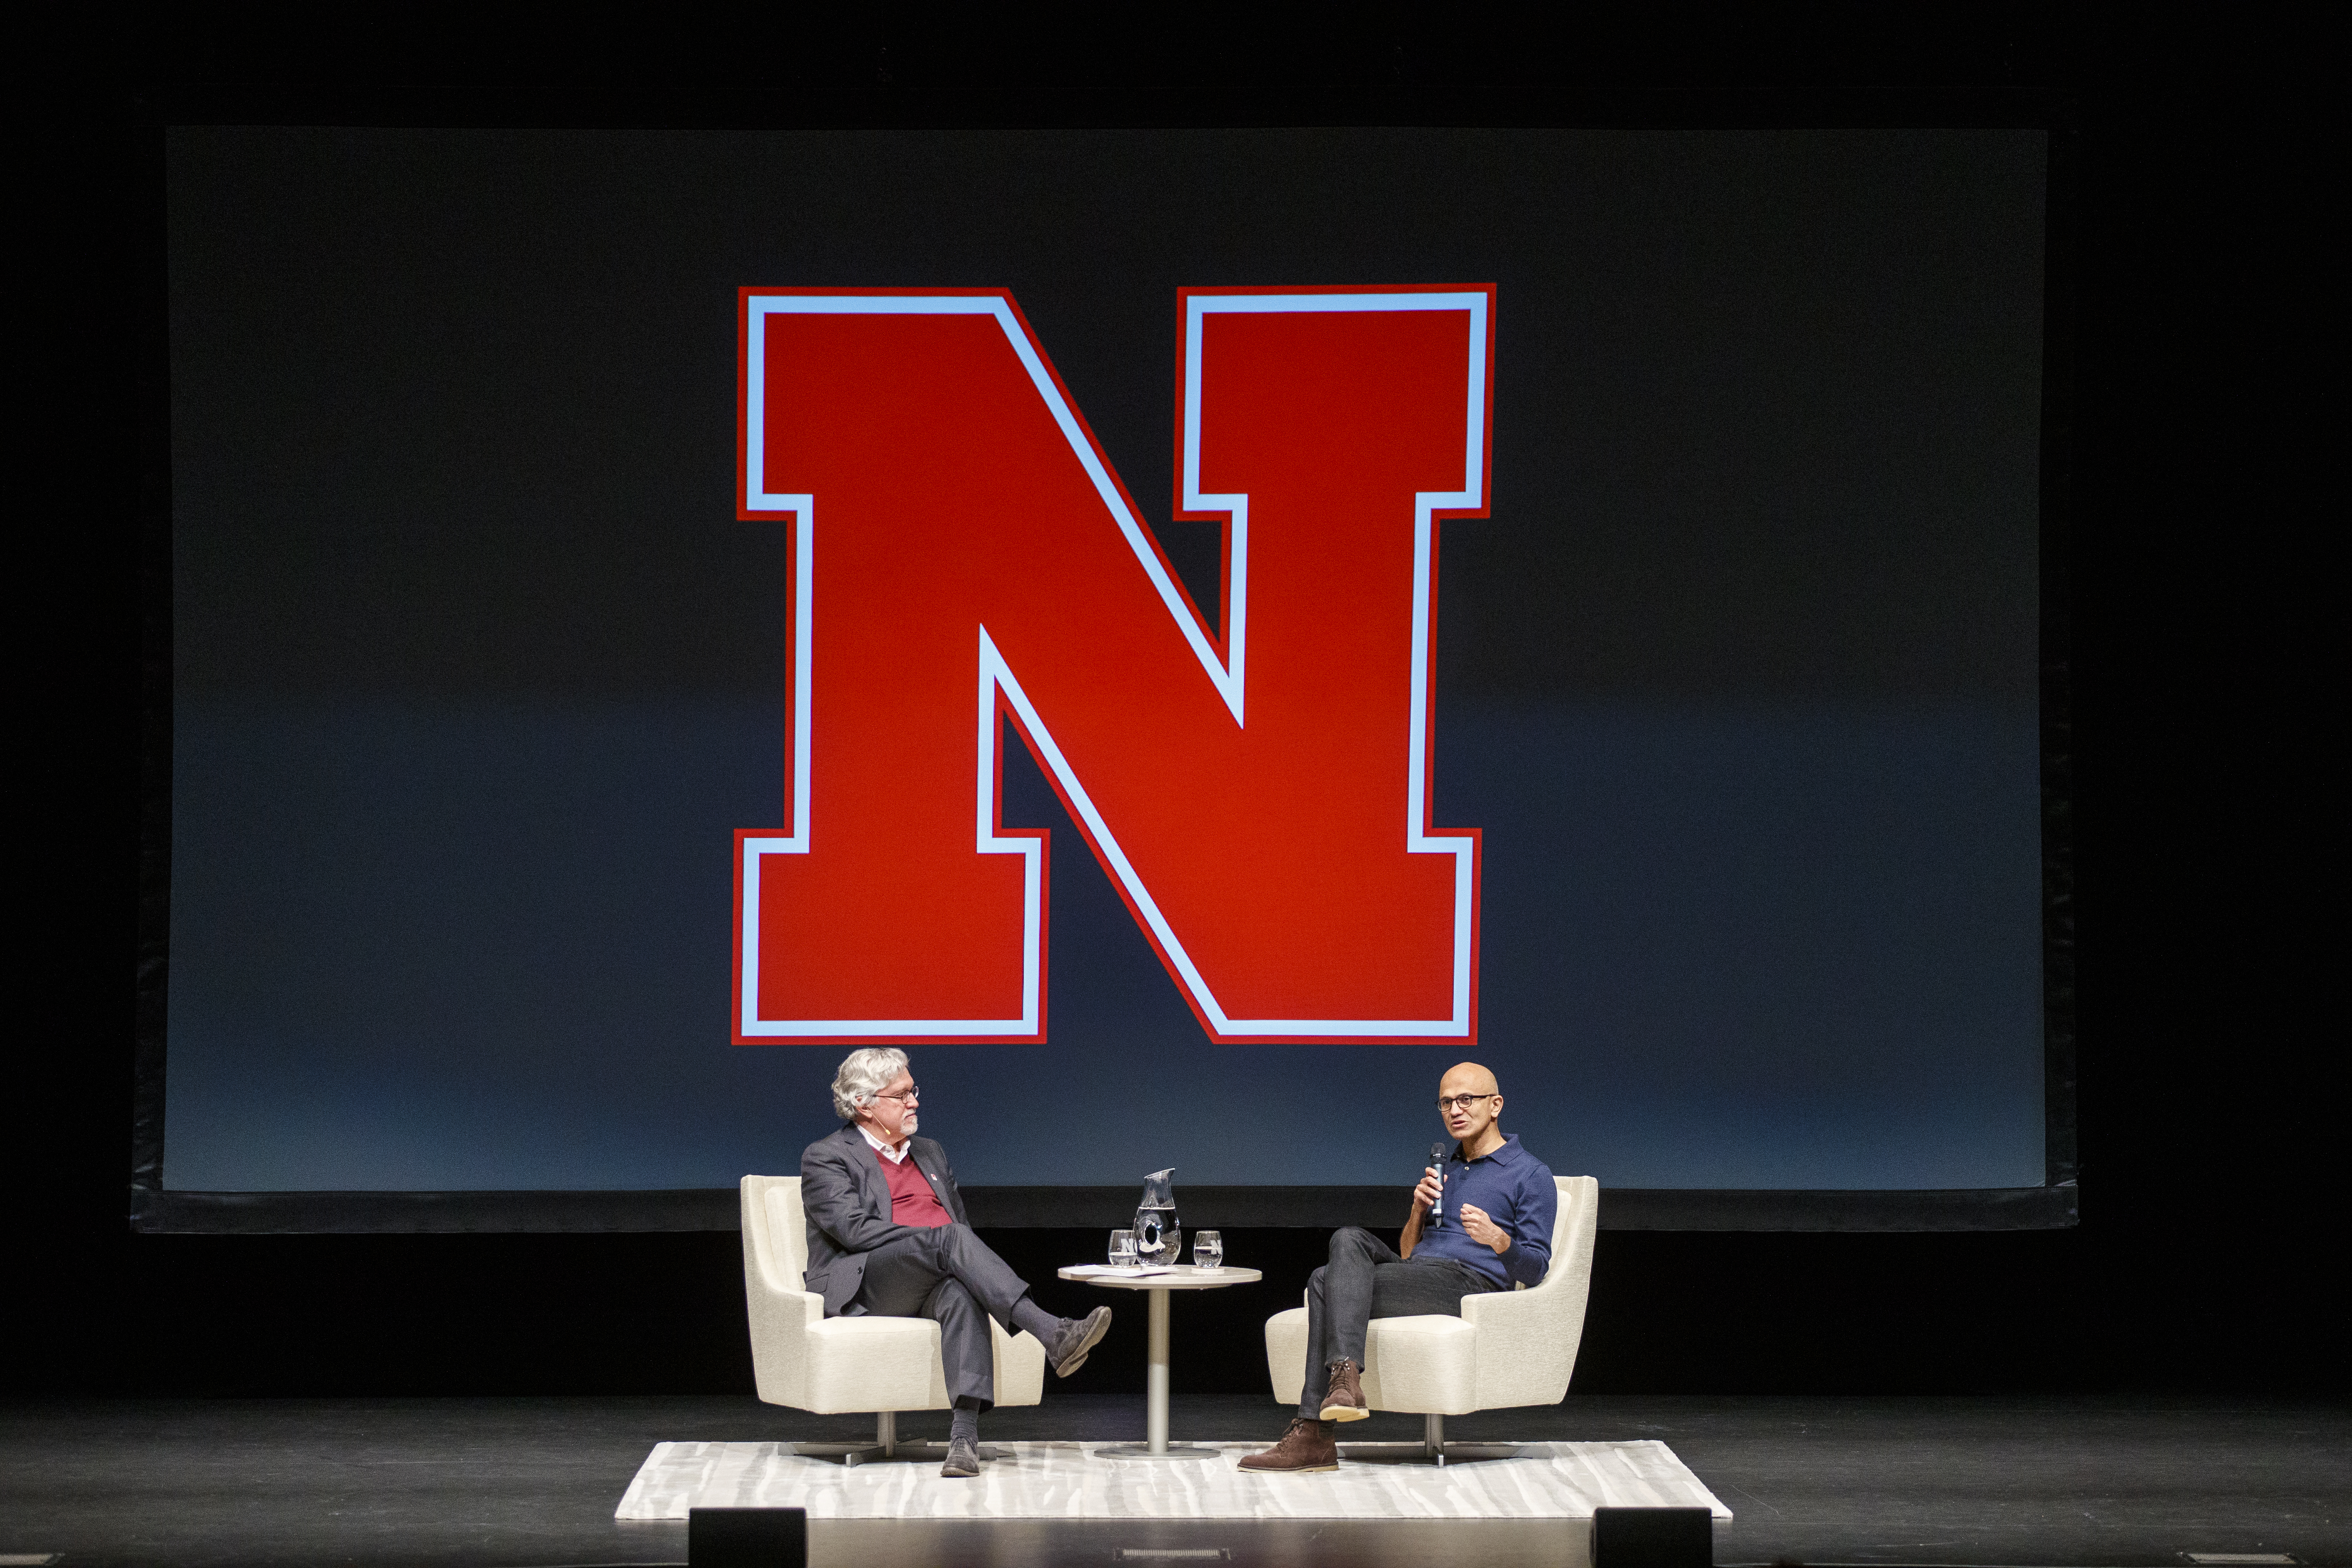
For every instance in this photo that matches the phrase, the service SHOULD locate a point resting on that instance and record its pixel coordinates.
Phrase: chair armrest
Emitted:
(1505, 1310)
(1285, 1354)
(1527, 1342)
(800, 1308)
(781, 1323)
(782, 1315)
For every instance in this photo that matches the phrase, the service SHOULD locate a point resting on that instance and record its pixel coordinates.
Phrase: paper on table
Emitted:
(1119, 1270)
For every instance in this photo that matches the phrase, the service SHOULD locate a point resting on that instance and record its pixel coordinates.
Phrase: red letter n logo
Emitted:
(963, 555)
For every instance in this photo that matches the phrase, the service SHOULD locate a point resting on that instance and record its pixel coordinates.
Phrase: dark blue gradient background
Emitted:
(483, 948)
(476, 675)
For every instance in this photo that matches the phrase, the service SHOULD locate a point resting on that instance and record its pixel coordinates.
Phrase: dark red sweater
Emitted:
(912, 1202)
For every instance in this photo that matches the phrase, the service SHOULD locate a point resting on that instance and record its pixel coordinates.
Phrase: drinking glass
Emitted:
(1122, 1248)
(1208, 1249)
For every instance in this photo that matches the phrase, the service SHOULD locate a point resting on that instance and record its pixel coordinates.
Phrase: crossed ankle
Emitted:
(1035, 1321)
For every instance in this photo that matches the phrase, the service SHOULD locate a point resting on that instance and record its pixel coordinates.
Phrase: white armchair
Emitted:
(1508, 1348)
(831, 1365)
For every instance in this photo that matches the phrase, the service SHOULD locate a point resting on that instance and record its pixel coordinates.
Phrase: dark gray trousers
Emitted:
(1365, 1279)
(948, 1275)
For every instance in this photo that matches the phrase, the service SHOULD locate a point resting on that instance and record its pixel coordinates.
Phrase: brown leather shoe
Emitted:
(1345, 1401)
(1305, 1445)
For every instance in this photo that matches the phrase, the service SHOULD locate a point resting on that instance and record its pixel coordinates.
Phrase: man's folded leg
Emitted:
(905, 1279)
(1005, 1297)
(1339, 1309)
(900, 1275)
(1338, 1305)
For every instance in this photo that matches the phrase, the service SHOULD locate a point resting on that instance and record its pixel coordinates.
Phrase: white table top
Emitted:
(1184, 1277)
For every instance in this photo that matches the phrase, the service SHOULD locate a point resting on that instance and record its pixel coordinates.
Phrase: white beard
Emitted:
(906, 1128)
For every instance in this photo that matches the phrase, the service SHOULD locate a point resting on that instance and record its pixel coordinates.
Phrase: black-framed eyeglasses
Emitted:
(910, 1092)
(1450, 1101)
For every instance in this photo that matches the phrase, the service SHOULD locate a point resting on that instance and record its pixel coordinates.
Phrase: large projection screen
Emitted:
(478, 668)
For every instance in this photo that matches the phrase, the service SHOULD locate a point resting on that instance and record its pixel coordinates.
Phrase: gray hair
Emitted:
(863, 1073)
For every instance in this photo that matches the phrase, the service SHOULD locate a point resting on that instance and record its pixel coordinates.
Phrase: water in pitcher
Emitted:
(1159, 1239)
(1159, 1235)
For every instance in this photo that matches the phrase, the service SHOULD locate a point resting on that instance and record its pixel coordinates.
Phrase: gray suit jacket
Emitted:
(847, 1201)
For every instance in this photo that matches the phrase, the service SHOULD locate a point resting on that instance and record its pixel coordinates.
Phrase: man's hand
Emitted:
(1429, 1191)
(1484, 1230)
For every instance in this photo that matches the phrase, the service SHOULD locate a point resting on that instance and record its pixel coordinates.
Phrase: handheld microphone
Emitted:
(1437, 1152)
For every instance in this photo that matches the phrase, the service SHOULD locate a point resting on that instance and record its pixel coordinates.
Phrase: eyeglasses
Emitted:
(1462, 1101)
(911, 1092)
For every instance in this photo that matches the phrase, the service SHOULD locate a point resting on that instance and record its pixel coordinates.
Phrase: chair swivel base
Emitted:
(909, 1452)
(886, 1447)
(1423, 1454)
(1433, 1448)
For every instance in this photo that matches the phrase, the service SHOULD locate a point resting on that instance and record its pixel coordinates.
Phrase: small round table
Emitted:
(1155, 1400)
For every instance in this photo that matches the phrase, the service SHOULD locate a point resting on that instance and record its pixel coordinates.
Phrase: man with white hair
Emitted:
(888, 1236)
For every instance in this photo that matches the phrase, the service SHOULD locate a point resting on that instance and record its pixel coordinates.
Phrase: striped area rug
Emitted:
(1065, 1480)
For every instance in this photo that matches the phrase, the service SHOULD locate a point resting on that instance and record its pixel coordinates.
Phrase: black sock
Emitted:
(964, 1422)
(1028, 1318)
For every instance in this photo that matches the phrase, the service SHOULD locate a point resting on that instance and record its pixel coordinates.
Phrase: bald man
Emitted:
(1481, 1220)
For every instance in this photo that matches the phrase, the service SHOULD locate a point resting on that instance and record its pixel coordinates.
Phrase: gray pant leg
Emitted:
(965, 1354)
(1338, 1305)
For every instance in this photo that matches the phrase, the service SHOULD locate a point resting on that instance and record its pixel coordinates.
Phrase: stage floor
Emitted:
(532, 1483)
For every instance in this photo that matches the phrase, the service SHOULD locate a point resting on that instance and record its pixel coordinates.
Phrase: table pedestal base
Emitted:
(1156, 1289)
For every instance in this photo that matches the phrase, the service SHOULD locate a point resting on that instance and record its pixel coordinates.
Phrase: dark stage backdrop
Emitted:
(476, 673)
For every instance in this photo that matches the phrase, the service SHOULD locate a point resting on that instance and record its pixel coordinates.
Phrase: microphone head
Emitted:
(1439, 1149)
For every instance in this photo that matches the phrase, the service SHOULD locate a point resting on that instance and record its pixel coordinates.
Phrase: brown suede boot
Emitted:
(1345, 1402)
(1305, 1445)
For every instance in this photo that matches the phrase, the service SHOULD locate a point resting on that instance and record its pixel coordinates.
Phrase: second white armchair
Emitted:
(1510, 1347)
